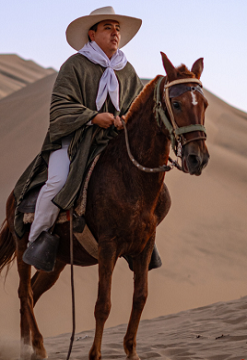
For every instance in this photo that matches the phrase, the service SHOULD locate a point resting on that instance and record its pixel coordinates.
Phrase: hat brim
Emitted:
(77, 31)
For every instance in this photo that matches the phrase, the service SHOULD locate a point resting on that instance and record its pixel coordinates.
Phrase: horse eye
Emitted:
(176, 105)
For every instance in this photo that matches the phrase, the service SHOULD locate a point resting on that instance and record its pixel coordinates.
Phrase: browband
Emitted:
(178, 90)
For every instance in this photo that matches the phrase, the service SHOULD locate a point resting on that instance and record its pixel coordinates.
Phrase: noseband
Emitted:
(176, 133)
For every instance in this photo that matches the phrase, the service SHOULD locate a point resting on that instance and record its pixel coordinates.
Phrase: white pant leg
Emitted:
(46, 212)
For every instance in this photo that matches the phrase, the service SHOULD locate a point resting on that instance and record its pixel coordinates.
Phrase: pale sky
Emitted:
(183, 29)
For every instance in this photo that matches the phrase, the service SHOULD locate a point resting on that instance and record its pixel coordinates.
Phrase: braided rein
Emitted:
(163, 168)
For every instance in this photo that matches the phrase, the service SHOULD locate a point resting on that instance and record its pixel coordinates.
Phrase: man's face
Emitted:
(107, 36)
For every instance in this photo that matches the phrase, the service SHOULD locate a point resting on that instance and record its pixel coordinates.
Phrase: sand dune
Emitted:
(213, 332)
(202, 244)
(16, 73)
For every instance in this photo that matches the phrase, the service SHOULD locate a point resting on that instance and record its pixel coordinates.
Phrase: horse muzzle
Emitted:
(194, 159)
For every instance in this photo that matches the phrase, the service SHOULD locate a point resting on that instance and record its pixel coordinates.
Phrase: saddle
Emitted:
(80, 228)
(27, 207)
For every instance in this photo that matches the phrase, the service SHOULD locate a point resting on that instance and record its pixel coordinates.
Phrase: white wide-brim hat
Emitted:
(77, 31)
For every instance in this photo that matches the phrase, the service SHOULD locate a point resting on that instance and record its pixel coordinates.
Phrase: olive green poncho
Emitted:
(72, 106)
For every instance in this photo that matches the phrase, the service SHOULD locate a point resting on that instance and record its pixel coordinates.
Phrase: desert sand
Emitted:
(16, 73)
(202, 243)
(213, 332)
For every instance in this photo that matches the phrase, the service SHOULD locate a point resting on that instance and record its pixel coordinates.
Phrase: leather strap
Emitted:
(176, 133)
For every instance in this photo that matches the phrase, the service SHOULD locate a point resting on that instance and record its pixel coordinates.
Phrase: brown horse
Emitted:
(126, 205)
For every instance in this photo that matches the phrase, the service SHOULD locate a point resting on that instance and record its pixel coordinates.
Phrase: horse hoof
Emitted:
(35, 357)
(26, 351)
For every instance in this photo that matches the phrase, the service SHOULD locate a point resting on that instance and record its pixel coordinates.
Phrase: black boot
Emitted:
(42, 252)
(155, 261)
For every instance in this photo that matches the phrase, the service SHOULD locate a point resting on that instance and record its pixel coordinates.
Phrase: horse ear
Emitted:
(169, 68)
(197, 68)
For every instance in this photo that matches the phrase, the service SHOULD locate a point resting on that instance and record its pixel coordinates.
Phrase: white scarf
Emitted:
(108, 81)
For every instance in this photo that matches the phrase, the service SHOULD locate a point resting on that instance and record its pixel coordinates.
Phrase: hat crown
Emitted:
(107, 10)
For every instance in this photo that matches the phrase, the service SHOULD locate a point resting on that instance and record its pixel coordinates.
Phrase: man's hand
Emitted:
(104, 120)
(118, 122)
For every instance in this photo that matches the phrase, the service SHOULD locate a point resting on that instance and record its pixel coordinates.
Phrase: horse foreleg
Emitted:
(107, 261)
(140, 267)
(28, 321)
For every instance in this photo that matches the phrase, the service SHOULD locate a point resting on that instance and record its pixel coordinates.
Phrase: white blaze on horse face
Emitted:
(194, 102)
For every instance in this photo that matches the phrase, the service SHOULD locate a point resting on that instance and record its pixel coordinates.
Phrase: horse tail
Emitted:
(7, 247)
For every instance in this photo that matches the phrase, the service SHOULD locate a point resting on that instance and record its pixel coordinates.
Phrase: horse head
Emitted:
(185, 105)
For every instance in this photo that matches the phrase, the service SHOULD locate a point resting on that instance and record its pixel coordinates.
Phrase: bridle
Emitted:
(173, 89)
(176, 133)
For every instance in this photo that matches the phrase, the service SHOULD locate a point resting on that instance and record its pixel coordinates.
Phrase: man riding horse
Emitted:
(93, 89)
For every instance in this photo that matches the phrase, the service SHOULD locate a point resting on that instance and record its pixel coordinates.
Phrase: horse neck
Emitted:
(149, 146)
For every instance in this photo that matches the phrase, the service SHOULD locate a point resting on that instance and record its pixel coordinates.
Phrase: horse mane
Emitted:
(141, 99)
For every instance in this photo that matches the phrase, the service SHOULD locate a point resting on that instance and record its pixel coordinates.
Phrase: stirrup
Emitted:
(155, 261)
(42, 252)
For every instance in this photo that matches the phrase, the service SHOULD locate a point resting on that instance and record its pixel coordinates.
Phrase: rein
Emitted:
(72, 282)
(163, 168)
(176, 133)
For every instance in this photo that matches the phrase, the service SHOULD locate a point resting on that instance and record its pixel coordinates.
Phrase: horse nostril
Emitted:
(194, 160)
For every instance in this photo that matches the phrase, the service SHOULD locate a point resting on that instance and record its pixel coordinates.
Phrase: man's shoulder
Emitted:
(74, 59)
(78, 61)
